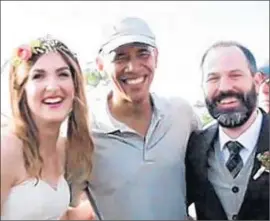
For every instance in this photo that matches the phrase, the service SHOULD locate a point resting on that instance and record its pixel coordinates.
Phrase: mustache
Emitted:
(227, 94)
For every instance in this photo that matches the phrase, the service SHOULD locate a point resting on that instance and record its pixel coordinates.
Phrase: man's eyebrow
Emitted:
(235, 70)
(211, 74)
(231, 71)
(144, 48)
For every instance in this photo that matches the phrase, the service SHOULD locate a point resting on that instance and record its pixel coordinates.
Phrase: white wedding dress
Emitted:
(37, 201)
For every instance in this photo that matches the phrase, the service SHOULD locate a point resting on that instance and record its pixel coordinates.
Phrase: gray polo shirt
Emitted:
(135, 177)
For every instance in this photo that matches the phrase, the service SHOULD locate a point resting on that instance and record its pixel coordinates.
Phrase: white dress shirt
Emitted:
(248, 139)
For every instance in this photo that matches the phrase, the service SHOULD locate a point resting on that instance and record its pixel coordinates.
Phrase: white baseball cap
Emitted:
(126, 31)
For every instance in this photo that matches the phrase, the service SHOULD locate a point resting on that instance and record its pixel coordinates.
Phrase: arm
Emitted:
(11, 162)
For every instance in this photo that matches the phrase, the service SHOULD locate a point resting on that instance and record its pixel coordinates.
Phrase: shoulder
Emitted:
(204, 131)
(173, 105)
(174, 101)
(199, 139)
(196, 144)
(11, 145)
(180, 109)
(11, 154)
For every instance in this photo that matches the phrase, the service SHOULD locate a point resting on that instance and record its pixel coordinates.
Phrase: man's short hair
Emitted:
(247, 53)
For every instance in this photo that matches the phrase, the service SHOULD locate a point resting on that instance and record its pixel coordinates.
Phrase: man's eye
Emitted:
(213, 78)
(120, 58)
(144, 54)
(236, 75)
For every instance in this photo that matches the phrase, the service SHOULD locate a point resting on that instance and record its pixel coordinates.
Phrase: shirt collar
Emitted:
(249, 138)
(105, 122)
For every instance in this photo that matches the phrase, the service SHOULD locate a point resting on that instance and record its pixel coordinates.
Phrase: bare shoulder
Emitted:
(12, 165)
(11, 147)
(11, 155)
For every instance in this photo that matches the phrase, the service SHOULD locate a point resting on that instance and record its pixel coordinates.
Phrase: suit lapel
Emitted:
(207, 139)
(262, 146)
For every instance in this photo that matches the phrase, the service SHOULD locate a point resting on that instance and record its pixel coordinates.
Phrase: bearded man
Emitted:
(227, 162)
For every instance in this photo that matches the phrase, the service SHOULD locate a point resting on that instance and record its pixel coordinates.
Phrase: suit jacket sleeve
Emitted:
(190, 175)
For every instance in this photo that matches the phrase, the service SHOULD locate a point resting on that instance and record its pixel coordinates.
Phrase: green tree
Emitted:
(95, 77)
(92, 77)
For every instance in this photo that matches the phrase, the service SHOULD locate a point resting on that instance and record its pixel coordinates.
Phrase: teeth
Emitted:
(135, 81)
(228, 100)
(53, 100)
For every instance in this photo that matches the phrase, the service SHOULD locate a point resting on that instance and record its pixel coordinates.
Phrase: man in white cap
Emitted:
(140, 138)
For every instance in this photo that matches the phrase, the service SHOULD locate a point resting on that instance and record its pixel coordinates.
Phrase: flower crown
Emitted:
(39, 46)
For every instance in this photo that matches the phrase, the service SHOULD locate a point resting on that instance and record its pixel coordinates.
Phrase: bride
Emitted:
(37, 165)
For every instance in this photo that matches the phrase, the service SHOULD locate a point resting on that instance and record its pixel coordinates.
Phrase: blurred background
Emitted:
(183, 29)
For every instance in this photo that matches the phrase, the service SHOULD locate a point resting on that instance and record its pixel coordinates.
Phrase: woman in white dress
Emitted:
(46, 87)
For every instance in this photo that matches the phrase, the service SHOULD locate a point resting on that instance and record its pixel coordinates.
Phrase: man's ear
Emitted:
(156, 57)
(99, 63)
(258, 79)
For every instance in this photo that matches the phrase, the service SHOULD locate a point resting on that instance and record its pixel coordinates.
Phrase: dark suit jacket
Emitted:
(255, 205)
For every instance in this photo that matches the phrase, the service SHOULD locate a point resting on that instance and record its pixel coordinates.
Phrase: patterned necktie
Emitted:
(235, 162)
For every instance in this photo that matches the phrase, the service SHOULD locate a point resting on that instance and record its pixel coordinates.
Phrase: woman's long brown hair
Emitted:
(79, 143)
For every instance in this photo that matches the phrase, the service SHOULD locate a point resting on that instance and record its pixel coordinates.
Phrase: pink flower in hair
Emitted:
(24, 52)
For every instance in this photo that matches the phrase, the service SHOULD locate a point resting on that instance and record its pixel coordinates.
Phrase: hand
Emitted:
(86, 211)
(83, 211)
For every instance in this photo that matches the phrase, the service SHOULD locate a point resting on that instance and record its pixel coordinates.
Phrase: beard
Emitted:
(233, 117)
